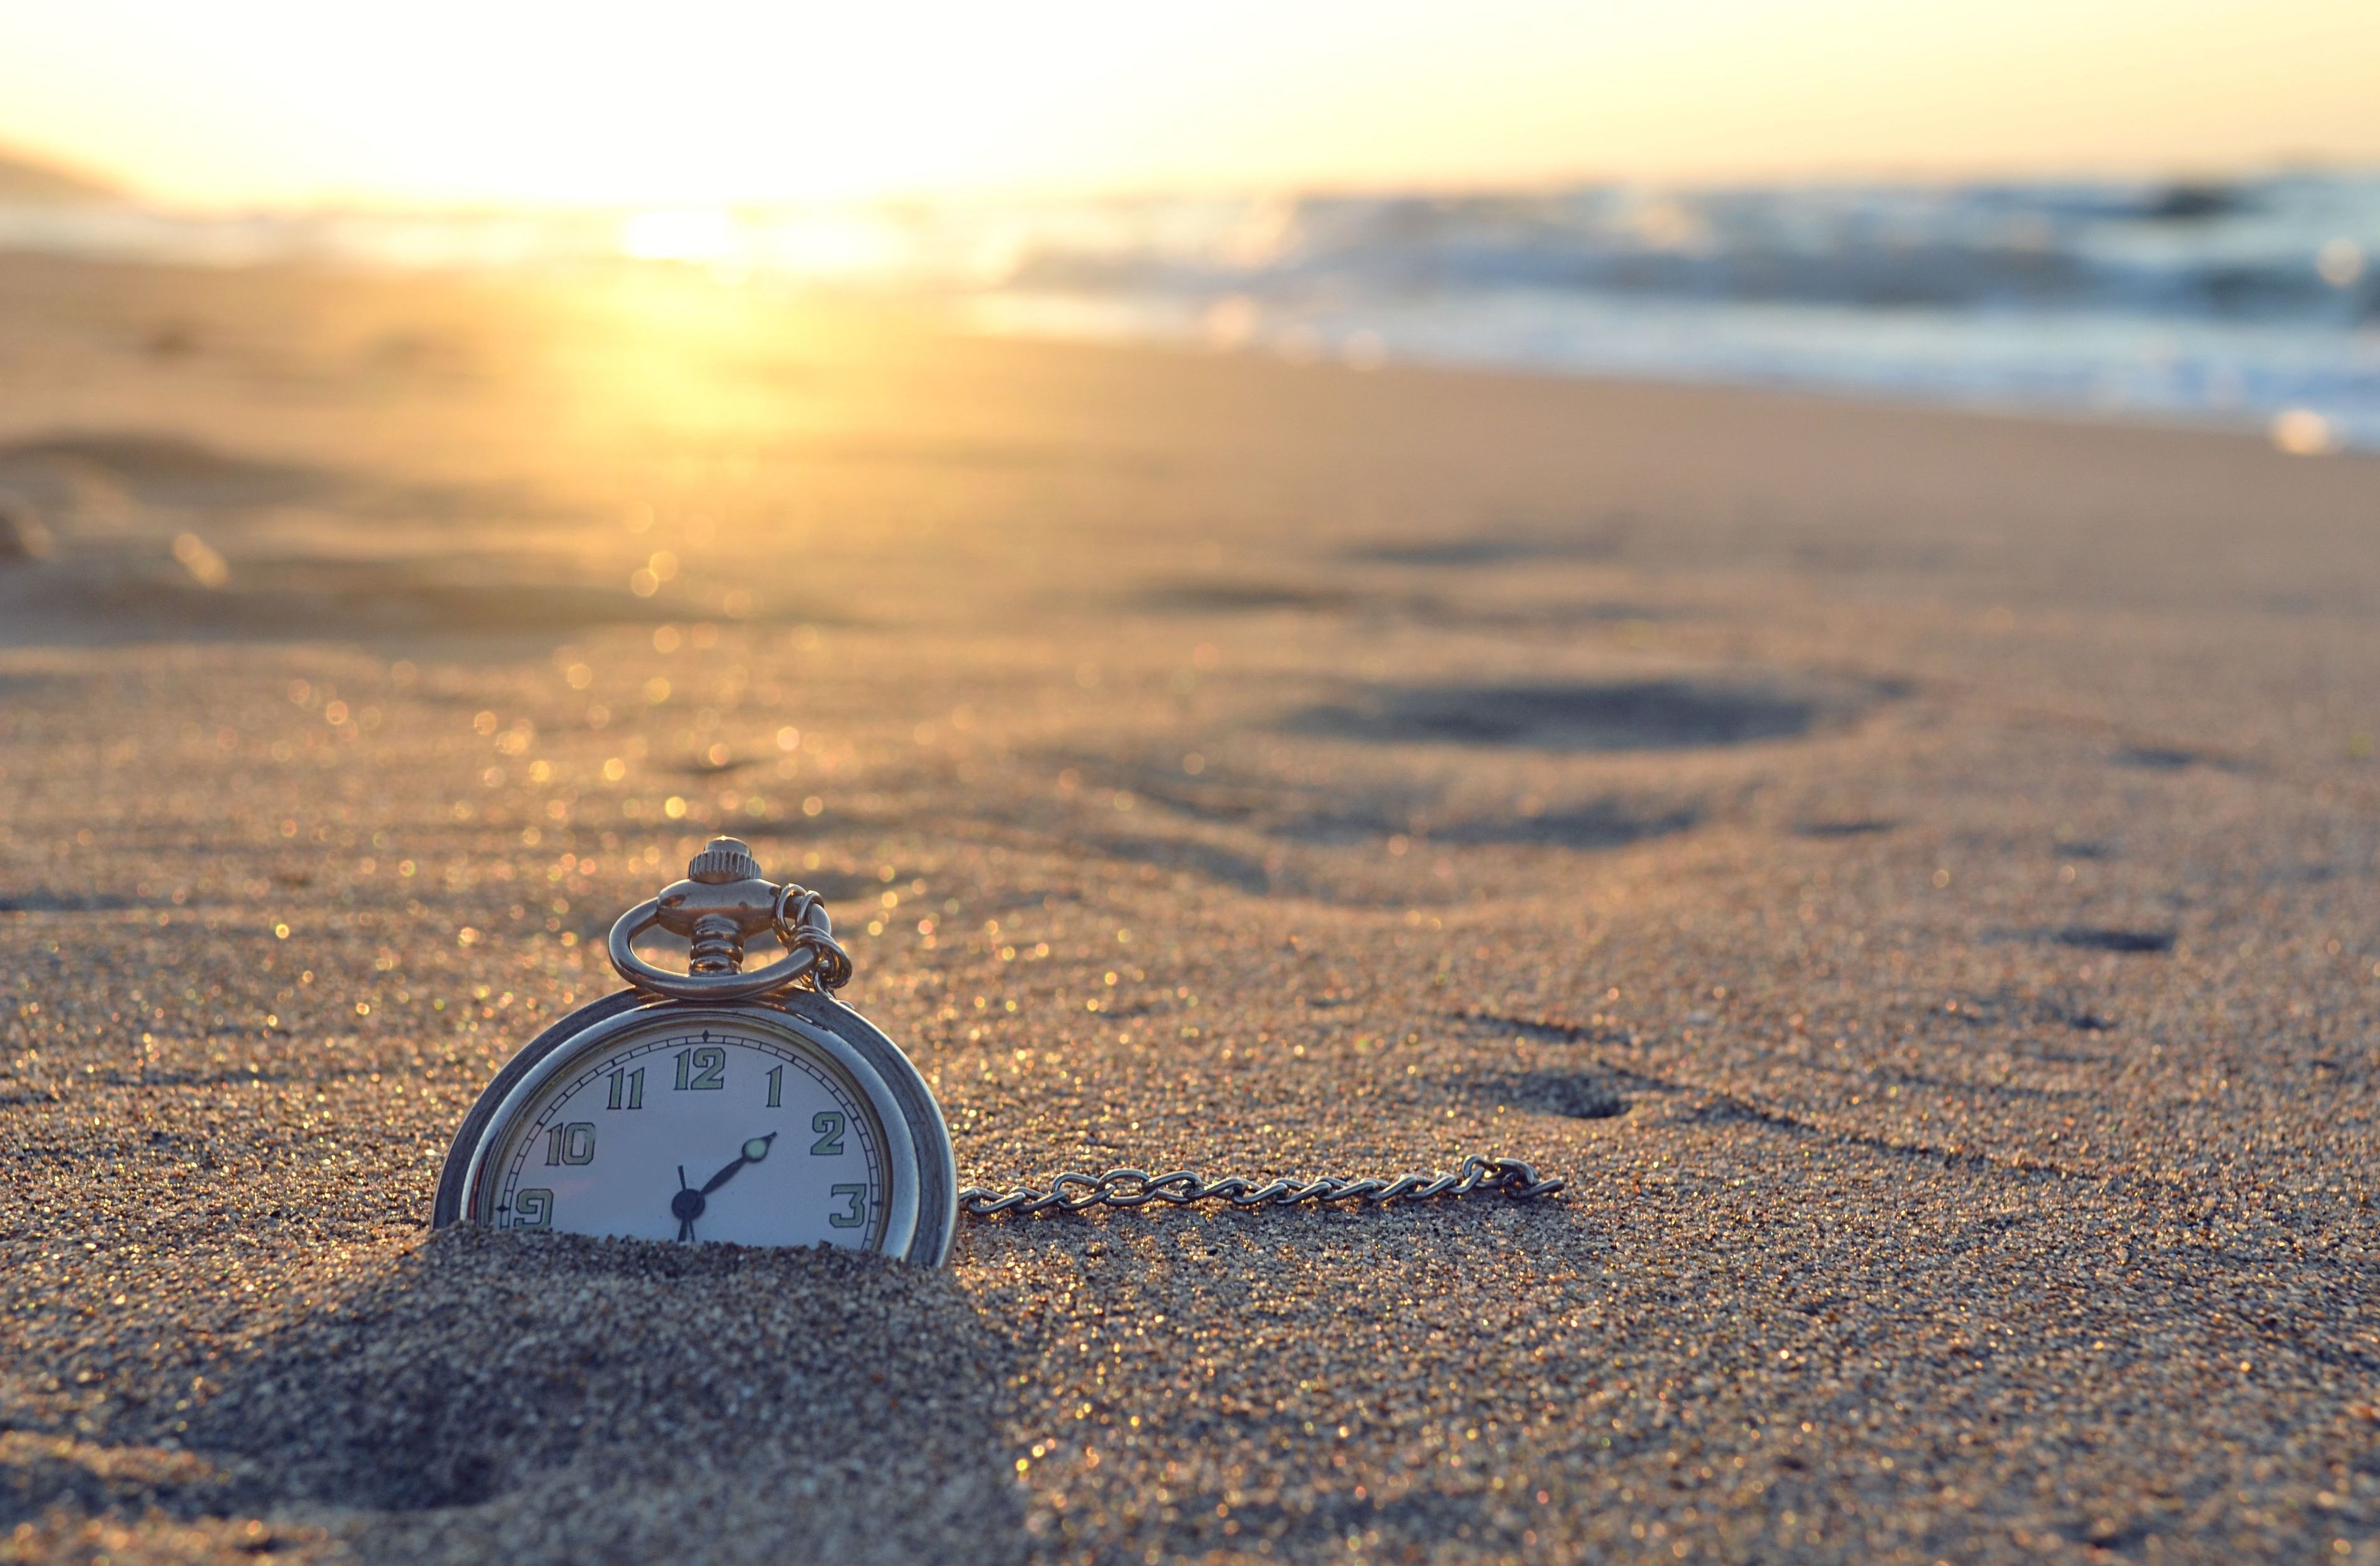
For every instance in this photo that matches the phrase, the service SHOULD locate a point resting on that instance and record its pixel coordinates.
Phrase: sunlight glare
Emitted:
(695, 234)
(725, 102)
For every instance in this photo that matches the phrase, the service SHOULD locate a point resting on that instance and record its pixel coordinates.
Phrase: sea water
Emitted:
(2252, 302)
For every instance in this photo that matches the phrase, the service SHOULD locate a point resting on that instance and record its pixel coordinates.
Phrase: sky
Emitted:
(264, 103)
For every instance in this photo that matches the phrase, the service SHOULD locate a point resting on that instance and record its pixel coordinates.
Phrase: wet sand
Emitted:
(1911, 873)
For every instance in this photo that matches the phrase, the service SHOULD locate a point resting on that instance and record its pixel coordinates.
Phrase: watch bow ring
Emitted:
(721, 905)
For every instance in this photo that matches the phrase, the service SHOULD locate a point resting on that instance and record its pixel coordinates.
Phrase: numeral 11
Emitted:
(627, 1090)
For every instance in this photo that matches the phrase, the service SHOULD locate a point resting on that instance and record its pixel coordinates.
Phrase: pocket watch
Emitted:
(715, 1104)
(758, 1109)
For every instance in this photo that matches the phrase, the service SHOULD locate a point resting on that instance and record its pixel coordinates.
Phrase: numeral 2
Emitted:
(855, 1201)
(627, 1090)
(573, 1143)
(829, 1126)
(701, 1070)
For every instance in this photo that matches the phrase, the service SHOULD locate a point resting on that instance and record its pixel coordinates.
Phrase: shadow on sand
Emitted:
(1619, 715)
(555, 1398)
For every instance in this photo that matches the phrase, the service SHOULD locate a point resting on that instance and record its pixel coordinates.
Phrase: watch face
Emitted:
(748, 1125)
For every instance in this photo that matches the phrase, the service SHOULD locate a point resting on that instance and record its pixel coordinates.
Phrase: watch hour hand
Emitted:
(754, 1151)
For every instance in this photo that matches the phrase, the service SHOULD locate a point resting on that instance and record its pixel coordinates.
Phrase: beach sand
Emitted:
(1911, 873)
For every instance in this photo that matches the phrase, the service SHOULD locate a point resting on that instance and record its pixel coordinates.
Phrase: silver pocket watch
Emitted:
(715, 1104)
(757, 1108)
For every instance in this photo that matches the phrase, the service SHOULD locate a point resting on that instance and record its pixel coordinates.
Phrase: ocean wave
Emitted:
(2240, 301)
(2250, 251)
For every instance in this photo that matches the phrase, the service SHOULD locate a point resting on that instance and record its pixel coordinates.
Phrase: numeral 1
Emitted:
(627, 1090)
(776, 1088)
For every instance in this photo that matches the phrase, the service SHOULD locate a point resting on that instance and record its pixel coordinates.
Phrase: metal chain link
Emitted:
(1076, 1191)
(802, 925)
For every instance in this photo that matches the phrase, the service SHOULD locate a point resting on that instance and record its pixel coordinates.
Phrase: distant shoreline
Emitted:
(2250, 304)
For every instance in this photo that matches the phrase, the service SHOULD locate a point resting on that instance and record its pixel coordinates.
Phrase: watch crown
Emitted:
(724, 859)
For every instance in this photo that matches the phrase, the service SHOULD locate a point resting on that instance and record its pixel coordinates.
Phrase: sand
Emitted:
(1912, 872)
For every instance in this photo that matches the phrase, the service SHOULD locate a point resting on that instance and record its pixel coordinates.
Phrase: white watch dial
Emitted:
(708, 1132)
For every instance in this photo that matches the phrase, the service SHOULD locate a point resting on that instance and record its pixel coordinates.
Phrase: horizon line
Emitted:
(99, 185)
